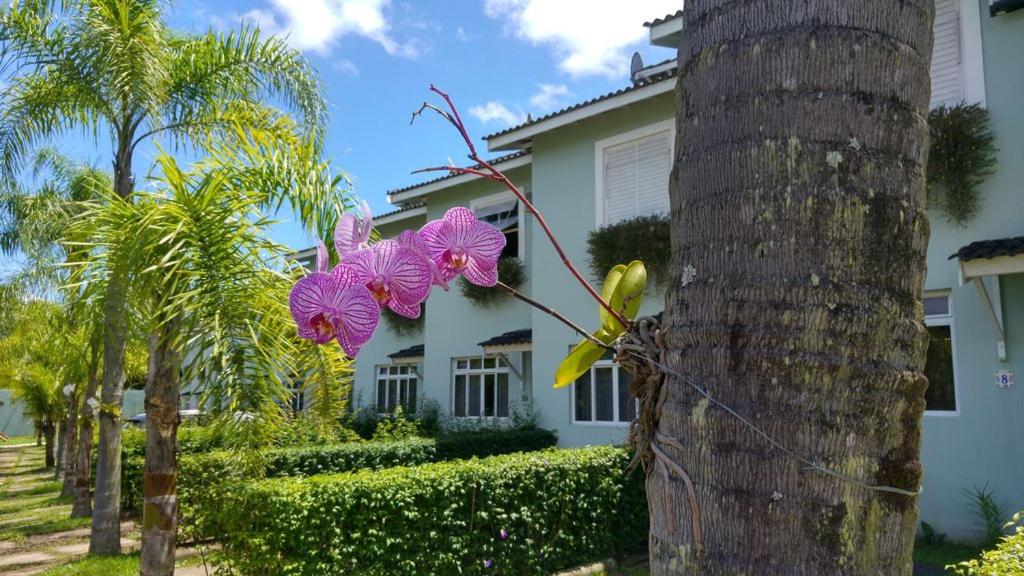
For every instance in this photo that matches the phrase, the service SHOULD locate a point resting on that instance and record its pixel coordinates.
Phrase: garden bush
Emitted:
(492, 442)
(517, 514)
(1006, 559)
(352, 456)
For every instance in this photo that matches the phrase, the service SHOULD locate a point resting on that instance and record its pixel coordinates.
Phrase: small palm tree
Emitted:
(113, 68)
(212, 287)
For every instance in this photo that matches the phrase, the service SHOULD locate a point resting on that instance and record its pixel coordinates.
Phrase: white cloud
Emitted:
(588, 36)
(497, 112)
(460, 33)
(549, 96)
(318, 25)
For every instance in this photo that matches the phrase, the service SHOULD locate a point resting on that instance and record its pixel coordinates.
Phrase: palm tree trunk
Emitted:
(70, 447)
(105, 537)
(81, 502)
(799, 240)
(49, 431)
(160, 505)
(61, 451)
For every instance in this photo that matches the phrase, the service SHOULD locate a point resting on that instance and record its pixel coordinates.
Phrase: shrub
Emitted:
(400, 325)
(491, 442)
(346, 457)
(303, 431)
(524, 513)
(510, 271)
(396, 426)
(646, 238)
(963, 154)
(1006, 559)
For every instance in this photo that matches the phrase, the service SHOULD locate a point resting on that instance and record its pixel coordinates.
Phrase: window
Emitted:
(940, 367)
(633, 173)
(480, 387)
(502, 211)
(957, 69)
(396, 386)
(601, 395)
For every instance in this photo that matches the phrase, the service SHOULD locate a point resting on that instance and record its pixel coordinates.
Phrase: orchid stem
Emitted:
(456, 120)
(553, 313)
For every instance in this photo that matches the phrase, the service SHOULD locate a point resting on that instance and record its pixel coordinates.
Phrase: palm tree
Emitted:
(799, 239)
(211, 286)
(31, 361)
(112, 68)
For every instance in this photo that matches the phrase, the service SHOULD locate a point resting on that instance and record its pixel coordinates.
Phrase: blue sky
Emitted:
(499, 59)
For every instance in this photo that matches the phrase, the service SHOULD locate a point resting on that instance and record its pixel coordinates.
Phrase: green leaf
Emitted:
(581, 358)
(608, 322)
(629, 293)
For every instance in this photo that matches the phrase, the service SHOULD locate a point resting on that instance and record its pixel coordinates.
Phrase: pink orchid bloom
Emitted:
(396, 275)
(353, 233)
(461, 244)
(334, 306)
(412, 239)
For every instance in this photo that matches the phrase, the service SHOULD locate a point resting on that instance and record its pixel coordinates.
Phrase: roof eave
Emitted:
(667, 33)
(518, 139)
(400, 215)
(431, 187)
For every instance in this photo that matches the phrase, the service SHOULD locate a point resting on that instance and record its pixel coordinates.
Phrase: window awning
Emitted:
(991, 258)
(514, 341)
(410, 355)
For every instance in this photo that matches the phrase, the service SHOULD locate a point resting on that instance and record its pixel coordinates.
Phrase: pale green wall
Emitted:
(564, 191)
(384, 341)
(984, 442)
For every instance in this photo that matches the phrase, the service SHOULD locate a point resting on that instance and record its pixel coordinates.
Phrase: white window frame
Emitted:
(615, 422)
(476, 204)
(601, 145)
(500, 367)
(411, 374)
(946, 320)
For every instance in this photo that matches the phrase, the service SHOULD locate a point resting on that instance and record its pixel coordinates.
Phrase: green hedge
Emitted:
(351, 456)
(558, 508)
(483, 443)
(199, 472)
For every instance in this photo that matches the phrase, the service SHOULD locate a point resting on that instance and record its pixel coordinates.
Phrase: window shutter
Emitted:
(947, 72)
(636, 177)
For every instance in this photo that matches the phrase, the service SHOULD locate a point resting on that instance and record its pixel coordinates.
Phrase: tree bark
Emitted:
(61, 453)
(105, 537)
(799, 240)
(160, 505)
(49, 431)
(70, 445)
(81, 502)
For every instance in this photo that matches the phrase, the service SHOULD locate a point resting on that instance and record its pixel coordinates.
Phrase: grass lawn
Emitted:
(32, 503)
(13, 440)
(127, 565)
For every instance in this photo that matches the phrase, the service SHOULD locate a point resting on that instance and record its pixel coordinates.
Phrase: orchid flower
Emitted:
(397, 275)
(334, 306)
(412, 239)
(353, 233)
(461, 244)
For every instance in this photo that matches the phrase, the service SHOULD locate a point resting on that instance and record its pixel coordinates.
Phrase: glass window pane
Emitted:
(582, 390)
(941, 393)
(403, 389)
(604, 394)
(489, 362)
(489, 399)
(392, 394)
(474, 363)
(412, 396)
(474, 395)
(461, 364)
(936, 306)
(382, 370)
(460, 395)
(627, 404)
(382, 395)
(503, 395)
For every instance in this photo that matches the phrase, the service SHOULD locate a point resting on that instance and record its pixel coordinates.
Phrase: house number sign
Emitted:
(1004, 378)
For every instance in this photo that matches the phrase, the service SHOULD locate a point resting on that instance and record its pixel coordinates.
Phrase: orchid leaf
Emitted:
(629, 292)
(608, 322)
(581, 358)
